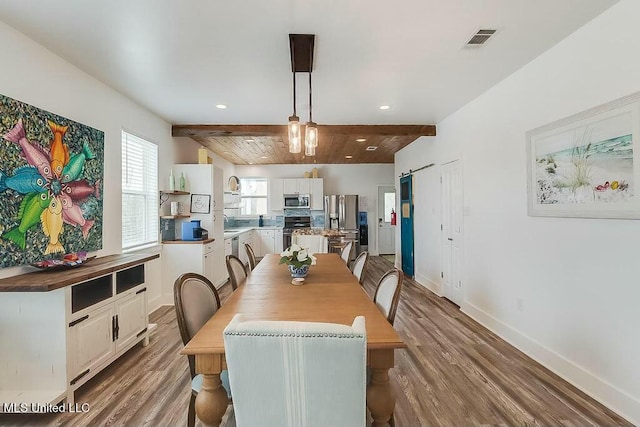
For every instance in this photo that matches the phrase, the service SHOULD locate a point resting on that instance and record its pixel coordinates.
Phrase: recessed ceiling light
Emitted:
(249, 140)
(348, 157)
(371, 148)
(250, 163)
(361, 139)
(263, 157)
(222, 106)
(384, 107)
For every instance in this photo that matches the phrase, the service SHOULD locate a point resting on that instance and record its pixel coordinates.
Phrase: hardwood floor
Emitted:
(454, 373)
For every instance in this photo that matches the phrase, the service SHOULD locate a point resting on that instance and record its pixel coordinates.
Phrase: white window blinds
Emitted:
(139, 192)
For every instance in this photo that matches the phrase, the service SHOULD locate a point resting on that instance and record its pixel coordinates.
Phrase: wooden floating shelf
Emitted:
(176, 193)
(174, 216)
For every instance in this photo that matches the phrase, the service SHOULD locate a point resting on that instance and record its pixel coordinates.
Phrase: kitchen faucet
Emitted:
(226, 219)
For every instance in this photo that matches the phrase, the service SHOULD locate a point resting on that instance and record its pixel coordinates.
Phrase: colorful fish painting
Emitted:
(59, 151)
(25, 180)
(34, 154)
(51, 174)
(32, 207)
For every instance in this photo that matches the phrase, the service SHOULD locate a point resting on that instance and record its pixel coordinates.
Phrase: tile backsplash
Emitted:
(317, 219)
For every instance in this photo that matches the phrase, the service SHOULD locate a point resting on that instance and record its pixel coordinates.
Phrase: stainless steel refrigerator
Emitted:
(341, 213)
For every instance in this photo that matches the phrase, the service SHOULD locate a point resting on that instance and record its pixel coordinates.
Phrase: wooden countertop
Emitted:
(44, 281)
(188, 242)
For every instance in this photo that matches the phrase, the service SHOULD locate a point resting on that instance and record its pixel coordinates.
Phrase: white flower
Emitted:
(287, 252)
(295, 248)
(302, 255)
(313, 259)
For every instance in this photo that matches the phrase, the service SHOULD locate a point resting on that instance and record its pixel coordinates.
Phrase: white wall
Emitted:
(577, 278)
(360, 179)
(36, 76)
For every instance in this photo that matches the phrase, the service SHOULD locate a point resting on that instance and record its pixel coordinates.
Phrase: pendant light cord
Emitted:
(294, 94)
(310, 108)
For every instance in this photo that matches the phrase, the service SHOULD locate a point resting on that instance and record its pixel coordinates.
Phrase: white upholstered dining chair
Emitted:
(290, 374)
(359, 266)
(387, 293)
(196, 300)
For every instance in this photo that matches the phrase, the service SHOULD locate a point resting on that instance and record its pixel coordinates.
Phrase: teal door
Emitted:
(406, 224)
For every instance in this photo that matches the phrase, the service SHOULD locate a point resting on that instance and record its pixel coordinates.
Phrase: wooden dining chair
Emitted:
(307, 373)
(359, 266)
(251, 255)
(196, 300)
(387, 293)
(237, 271)
(345, 254)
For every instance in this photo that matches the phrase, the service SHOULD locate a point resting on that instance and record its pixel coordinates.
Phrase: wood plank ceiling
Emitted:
(267, 144)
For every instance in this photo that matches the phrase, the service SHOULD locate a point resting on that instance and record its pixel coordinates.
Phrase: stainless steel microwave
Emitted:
(297, 201)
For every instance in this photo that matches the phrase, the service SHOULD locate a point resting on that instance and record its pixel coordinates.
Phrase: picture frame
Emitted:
(201, 203)
(587, 165)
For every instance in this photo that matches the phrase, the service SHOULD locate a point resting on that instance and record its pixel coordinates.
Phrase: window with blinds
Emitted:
(139, 192)
(253, 196)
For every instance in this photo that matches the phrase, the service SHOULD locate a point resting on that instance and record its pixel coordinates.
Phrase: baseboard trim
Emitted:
(154, 304)
(434, 287)
(619, 401)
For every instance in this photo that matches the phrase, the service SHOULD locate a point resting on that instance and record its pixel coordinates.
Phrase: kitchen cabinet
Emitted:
(276, 195)
(296, 185)
(228, 248)
(242, 239)
(63, 332)
(317, 193)
(281, 186)
(267, 242)
(193, 257)
(278, 240)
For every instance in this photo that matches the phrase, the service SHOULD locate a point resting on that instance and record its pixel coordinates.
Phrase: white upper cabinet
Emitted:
(276, 195)
(290, 186)
(317, 194)
(304, 186)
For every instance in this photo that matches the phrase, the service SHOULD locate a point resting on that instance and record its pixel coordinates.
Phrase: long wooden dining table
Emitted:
(329, 294)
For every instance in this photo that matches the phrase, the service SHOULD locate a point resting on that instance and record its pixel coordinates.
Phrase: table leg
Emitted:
(380, 397)
(212, 401)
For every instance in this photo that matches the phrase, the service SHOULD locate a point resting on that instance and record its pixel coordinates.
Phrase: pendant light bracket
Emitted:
(301, 48)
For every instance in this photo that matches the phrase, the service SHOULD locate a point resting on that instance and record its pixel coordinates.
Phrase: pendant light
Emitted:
(311, 133)
(295, 143)
(301, 49)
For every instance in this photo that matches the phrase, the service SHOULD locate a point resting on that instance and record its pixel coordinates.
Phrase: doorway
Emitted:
(406, 224)
(386, 231)
(452, 231)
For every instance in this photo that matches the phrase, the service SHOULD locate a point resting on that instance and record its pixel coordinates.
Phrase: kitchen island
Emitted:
(321, 240)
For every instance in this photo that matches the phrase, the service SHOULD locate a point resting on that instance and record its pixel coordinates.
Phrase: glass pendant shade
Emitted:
(295, 140)
(311, 134)
(309, 150)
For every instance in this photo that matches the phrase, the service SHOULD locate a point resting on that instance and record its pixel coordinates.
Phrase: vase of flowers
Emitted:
(298, 259)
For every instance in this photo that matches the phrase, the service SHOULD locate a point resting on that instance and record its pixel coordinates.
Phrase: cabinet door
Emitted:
(278, 241)
(267, 242)
(276, 195)
(242, 252)
(208, 266)
(289, 186)
(131, 312)
(317, 194)
(304, 186)
(228, 249)
(91, 340)
(217, 204)
(220, 274)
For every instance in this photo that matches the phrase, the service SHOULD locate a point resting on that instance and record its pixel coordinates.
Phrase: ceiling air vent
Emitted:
(371, 148)
(480, 37)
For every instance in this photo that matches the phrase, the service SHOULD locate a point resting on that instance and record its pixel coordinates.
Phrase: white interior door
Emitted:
(386, 231)
(452, 231)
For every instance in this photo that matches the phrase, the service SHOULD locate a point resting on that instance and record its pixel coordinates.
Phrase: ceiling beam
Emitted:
(279, 130)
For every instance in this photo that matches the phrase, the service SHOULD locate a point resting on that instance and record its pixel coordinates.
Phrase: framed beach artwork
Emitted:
(587, 165)
(51, 174)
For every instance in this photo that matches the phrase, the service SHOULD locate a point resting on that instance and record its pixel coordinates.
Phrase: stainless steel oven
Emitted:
(290, 224)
